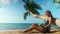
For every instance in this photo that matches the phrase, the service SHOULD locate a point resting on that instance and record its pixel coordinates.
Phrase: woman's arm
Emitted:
(38, 16)
(49, 23)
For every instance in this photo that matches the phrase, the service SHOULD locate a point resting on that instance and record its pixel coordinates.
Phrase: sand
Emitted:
(53, 31)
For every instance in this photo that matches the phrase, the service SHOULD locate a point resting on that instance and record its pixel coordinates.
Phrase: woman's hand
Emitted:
(35, 15)
(46, 26)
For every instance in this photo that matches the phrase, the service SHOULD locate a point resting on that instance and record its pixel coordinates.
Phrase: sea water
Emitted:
(15, 26)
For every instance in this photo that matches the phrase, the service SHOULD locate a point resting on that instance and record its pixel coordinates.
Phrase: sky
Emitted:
(12, 11)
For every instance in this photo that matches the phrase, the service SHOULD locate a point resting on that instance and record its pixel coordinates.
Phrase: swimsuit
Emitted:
(46, 29)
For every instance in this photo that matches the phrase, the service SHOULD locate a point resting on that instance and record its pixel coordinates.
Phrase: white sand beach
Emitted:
(53, 31)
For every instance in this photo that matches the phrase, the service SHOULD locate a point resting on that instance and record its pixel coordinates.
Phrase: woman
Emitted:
(48, 21)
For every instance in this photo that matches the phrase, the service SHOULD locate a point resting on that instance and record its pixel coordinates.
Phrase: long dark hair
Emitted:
(50, 14)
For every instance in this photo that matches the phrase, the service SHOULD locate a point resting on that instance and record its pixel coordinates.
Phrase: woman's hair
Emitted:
(50, 15)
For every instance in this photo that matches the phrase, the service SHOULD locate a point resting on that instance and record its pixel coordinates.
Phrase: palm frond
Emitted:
(35, 11)
(25, 7)
(26, 1)
(56, 1)
(23, 0)
(36, 6)
(53, 1)
(31, 6)
(25, 15)
(59, 2)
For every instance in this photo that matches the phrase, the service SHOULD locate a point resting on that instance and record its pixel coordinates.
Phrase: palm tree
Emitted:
(31, 6)
(58, 2)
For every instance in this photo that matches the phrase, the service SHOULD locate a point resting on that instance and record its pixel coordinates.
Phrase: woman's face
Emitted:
(46, 13)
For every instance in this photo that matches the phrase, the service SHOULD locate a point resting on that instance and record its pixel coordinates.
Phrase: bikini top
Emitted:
(45, 23)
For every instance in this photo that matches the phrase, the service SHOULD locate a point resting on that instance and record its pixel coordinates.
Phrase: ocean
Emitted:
(16, 26)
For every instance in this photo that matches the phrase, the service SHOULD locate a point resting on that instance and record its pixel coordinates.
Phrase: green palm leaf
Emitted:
(23, 0)
(26, 1)
(25, 15)
(56, 1)
(53, 1)
(35, 11)
(25, 7)
(31, 6)
(35, 6)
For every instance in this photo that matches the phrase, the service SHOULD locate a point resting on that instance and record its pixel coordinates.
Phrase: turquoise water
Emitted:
(13, 26)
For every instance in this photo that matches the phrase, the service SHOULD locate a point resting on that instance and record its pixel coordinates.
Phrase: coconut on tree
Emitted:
(32, 7)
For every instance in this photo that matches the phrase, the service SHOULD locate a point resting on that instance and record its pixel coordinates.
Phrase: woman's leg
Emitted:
(36, 27)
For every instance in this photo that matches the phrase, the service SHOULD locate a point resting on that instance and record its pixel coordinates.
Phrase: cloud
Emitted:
(1, 10)
(7, 2)
(43, 6)
(15, 1)
(49, 3)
